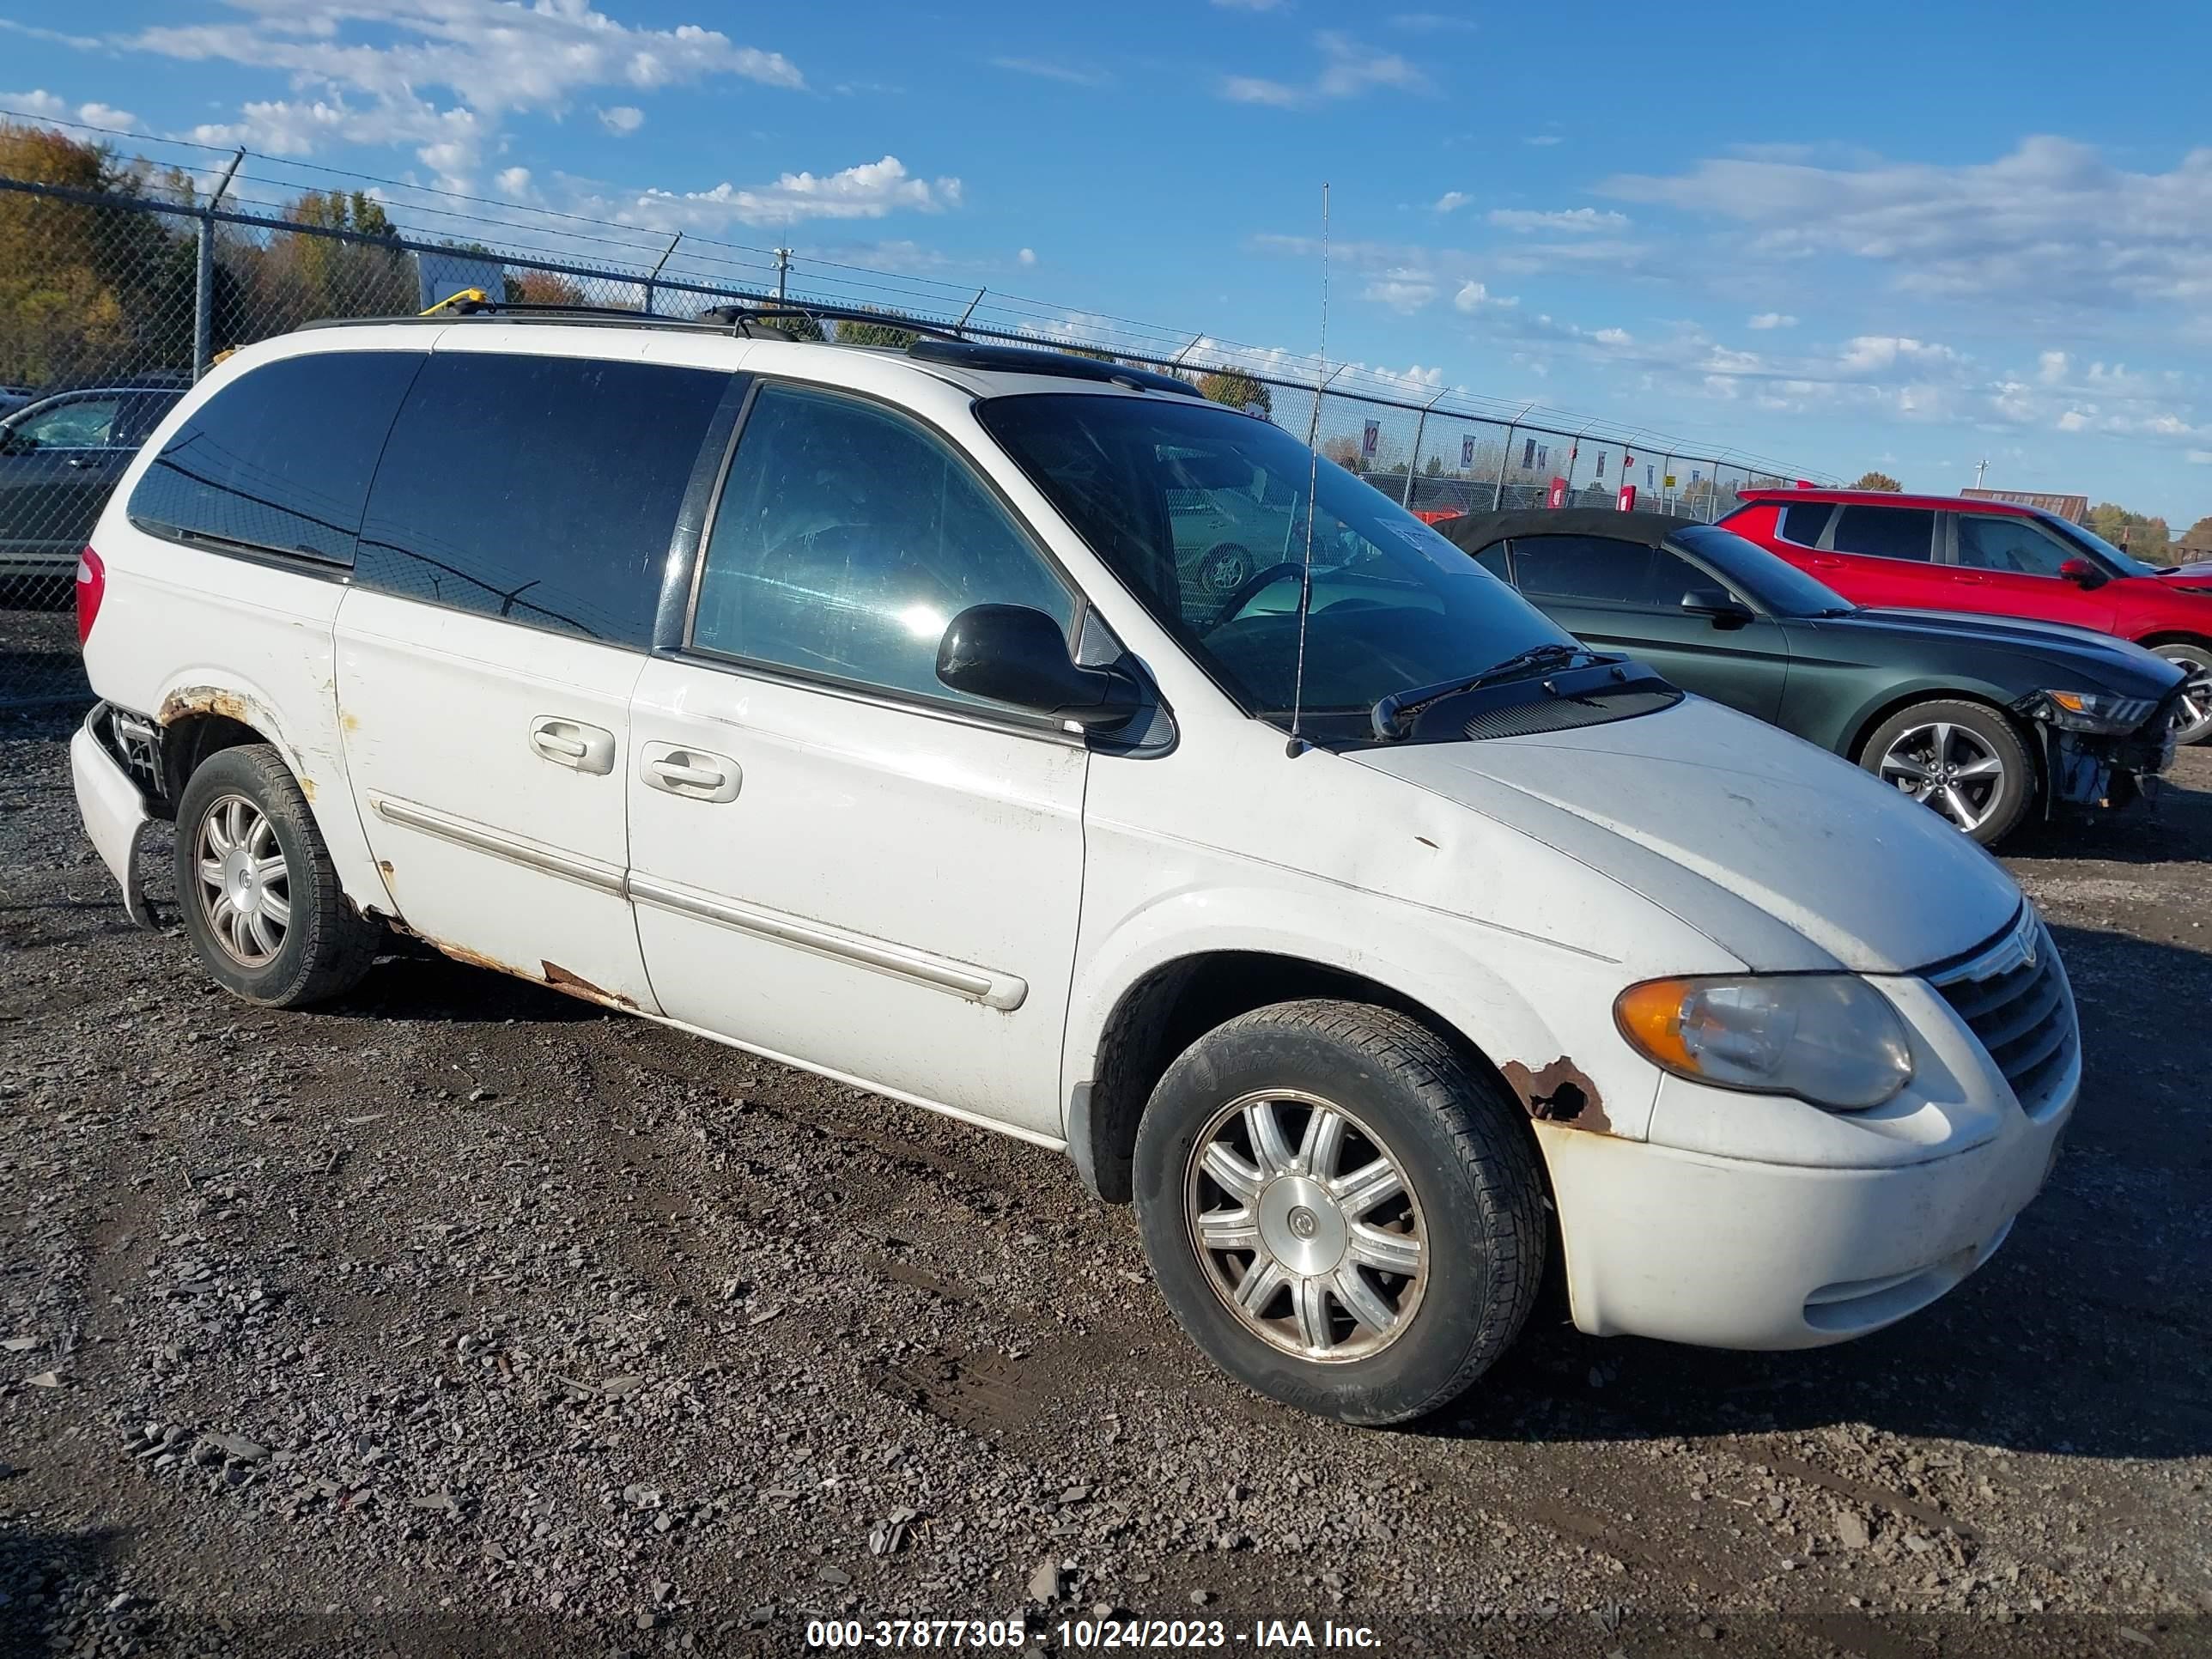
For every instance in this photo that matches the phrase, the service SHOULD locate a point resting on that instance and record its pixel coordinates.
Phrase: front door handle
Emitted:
(1826, 565)
(693, 774)
(574, 744)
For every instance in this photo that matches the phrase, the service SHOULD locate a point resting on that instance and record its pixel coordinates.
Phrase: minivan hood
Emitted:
(1781, 853)
(2115, 664)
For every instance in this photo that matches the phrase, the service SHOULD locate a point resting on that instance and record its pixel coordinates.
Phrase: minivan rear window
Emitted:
(278, 461)
(543, 490)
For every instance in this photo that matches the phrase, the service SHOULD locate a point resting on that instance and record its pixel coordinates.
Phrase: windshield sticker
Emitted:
(1438, 551)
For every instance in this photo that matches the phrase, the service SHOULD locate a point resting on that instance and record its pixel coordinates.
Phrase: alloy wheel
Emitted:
(2192, 713)
(244, 886)
(1306, 1226)
(1949, 767)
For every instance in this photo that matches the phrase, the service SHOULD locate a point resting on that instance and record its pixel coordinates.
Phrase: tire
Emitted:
(1471, 1208)
(1223, 569)
(1902, 750)
(241, 810)
(2193, 723)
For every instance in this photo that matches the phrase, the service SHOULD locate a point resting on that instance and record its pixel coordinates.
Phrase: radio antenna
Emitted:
(1296, 744)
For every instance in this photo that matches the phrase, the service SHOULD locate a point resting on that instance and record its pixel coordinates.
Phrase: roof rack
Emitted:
(941, 344)
(1029, 360)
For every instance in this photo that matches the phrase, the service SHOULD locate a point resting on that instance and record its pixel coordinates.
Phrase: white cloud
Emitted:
(1027, 256)
(1576, 221)
(1543, 140)
(622, 119)
(40, 105)
(2074, 420)
(2052, 368)
(1432, 22)
(1247, 5)
(1613, 337)
(363, 71)
(2200, 456)
(2052, 221)
(1772, 319)
(1406, 291)
(1871, 351)
(1474, 296)
(1348, 68)
(1452, 201)
(867, 191)
(1051, 71)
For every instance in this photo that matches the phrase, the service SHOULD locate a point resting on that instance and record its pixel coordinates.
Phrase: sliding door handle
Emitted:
(572, 744)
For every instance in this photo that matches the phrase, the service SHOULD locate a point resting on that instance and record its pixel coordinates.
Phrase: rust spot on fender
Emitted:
(1561, 1092)
(562, 980)
(205, 700)
(384, 865)
(351, 723)
(307, 786)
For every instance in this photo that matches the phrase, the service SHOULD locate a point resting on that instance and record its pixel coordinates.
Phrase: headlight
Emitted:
(2104, 712)
(1831, 1039)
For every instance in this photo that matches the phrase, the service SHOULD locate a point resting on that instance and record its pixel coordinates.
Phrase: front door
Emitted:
(509, 567)
(835, 859)
(2009, 564)
(1626, 596)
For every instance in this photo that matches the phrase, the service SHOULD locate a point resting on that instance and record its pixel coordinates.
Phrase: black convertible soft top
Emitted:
(1476, 530)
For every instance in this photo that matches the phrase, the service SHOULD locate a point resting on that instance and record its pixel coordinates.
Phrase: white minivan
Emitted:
(850, 707)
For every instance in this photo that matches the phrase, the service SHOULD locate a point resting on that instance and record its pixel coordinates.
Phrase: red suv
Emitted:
(1948, 553)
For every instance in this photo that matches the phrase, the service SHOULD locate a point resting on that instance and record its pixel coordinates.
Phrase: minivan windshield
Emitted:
(1202, 511)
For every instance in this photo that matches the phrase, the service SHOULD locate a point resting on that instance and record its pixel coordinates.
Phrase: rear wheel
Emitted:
(1341, 1213)
(1964, 760)
(254, 880)
(2192, 718)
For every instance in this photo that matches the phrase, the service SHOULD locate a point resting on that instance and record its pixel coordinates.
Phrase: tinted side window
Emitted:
(281, 459)
(541, 489)
(1886, 533)
(848, 538)
(1492, 559)
(1597, 567)
(1803, 521)
(2015, 546)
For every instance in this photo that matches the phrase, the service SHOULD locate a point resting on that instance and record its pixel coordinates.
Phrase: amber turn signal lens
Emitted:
(1651, 1015)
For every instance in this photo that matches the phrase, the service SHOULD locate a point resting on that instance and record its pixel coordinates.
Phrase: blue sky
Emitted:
(1909, 236)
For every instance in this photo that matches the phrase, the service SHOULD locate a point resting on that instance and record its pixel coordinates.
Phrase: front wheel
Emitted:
(1962, 759)
(1339, 1211)
(2192, 716)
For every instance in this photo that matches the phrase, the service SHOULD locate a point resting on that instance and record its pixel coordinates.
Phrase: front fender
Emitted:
(1540, 1012)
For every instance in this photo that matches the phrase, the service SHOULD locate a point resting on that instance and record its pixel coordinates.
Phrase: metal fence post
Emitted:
(654, 278)
(203, 275)
(1406, 496)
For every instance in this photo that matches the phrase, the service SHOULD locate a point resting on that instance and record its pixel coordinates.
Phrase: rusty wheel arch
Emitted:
(1175, 1004)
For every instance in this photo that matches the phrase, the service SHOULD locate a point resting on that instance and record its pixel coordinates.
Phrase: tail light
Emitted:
(91, 588)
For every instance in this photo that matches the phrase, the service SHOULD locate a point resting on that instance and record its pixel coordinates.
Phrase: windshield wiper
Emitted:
(1394, 715)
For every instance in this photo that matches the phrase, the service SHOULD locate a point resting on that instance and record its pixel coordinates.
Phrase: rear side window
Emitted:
(1886, 533)
(543, 490)
(280, 459)
(1601, 568)
(1803, 521)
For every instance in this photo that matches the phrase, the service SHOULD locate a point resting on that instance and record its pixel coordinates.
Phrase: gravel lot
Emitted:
(463, 1318)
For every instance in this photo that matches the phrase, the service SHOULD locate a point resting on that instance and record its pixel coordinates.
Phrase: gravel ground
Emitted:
(463, 1318)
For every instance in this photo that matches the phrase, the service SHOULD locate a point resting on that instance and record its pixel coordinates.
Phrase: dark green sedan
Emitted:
(1986, 718)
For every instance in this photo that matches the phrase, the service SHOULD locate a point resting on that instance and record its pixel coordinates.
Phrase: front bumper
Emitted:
(1751, 1222)
(114, 812)
(1726, 1254)
(2087, 770)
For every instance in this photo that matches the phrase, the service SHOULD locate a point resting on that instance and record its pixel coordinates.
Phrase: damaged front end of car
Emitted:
(2100, 750)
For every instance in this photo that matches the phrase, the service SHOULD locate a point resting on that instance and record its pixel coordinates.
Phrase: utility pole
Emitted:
(1980, 467)
(782, 272)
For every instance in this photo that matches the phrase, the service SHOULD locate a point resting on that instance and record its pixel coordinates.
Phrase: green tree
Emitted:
(310, 272)
(1877, 481)
(1237, 391)
(2199, 535)
(2137, 532)
(85, 289)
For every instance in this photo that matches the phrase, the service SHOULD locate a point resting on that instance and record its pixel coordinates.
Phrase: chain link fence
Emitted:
(117, 292)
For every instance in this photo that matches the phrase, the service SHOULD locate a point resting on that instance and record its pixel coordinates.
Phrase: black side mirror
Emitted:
(1718, 603)
(2081, 573)
(1012, 654)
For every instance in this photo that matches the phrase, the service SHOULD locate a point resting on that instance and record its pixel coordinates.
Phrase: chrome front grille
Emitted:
(2013, 995)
